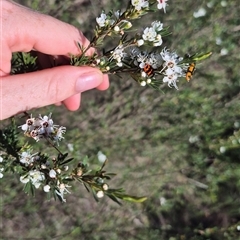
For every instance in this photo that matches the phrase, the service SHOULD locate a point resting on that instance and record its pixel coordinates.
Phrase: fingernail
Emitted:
(88, 80)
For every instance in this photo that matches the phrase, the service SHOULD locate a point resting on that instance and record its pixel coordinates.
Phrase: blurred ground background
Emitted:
(180, 148)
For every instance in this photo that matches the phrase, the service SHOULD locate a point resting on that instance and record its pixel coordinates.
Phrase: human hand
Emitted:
(24, 30)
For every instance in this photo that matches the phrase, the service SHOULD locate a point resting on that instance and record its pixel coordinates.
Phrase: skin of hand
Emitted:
(24, 30)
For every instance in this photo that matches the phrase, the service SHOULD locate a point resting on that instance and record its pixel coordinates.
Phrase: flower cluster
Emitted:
(43, 127)
(152, 35)
(131, 55)
(55, 174)
(34, 176)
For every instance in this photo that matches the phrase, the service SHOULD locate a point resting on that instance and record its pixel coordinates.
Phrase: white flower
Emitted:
(158, 41)
(46, 188)
(223, 52)
(1, 159)
(35, 176)
(118, 54)
(52, 173)
(170, 78)
(157, 26)
(143, 83)
(224, 3)
(193, 139)
(101, 157)
(24, 179)
(27, 158)
(200, 13)
(222, 149)
(143, 75)
(62, 189)
(1, 170)
(149, 34)
(58, 135)
(70, 147)
(162, 200)
(46, 124)
(139, 4)
(28, 125)
(101, 21)
(171, 59)
(162, 5)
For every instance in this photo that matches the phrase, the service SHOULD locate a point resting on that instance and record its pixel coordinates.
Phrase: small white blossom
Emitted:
(27, 158)
(158, 41)
(118, 54)
(171, 78)
(224, 3)
(139, 4)
(61, 190)
(149, 34)
(157, 26)
(101, 21)
(143, 83)
(59, 134)
(35, 176)
(152, 34)
(222, 149)
(218, 41)
(101, 157)
(70, 147)
(171, 59)
(24, 179)
(193, 139)
(200, 13)
(1, 170)
(162, 5)
(223, 52)
(1, 159)
(162, 200)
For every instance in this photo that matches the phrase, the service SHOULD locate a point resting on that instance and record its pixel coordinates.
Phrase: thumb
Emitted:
(37, 89)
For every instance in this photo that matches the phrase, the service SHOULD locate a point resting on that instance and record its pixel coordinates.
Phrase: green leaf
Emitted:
(134, 199)
(67, 161)
(113, 198)
(199, 57)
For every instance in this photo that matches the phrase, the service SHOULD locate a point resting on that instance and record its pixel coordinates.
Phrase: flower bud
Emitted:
(52, 173)
(100, 194)
(105, 187)
(46, 188)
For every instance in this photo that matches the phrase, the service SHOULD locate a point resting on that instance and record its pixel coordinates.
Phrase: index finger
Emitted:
(24, 30)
